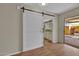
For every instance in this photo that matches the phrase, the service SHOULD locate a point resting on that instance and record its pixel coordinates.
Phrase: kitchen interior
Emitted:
(71, 31)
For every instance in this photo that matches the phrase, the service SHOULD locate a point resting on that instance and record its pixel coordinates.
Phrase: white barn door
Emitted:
(32, 30)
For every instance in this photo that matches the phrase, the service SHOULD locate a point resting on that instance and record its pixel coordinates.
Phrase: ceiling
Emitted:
(72, 20)
(60, 7)
(57, 8)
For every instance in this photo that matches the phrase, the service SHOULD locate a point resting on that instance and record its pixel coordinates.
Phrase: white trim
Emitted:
(35, 47)
(24, 50)
(13, 53)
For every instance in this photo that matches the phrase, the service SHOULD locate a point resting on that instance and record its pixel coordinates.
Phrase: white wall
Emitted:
(10, 29)
(55, 29)
(69, 14)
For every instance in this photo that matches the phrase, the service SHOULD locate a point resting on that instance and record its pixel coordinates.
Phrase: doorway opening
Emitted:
(71, 31)
(47, 31)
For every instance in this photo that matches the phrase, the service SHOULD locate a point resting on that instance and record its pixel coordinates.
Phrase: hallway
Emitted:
(50, 49)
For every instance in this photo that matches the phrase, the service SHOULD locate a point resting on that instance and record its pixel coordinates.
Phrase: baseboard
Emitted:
(35, 47)
(14, 53)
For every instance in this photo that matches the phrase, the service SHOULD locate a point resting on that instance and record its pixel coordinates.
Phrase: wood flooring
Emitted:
(51, 49)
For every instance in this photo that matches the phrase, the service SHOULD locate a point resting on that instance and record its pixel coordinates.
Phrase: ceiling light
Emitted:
(43, 3)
